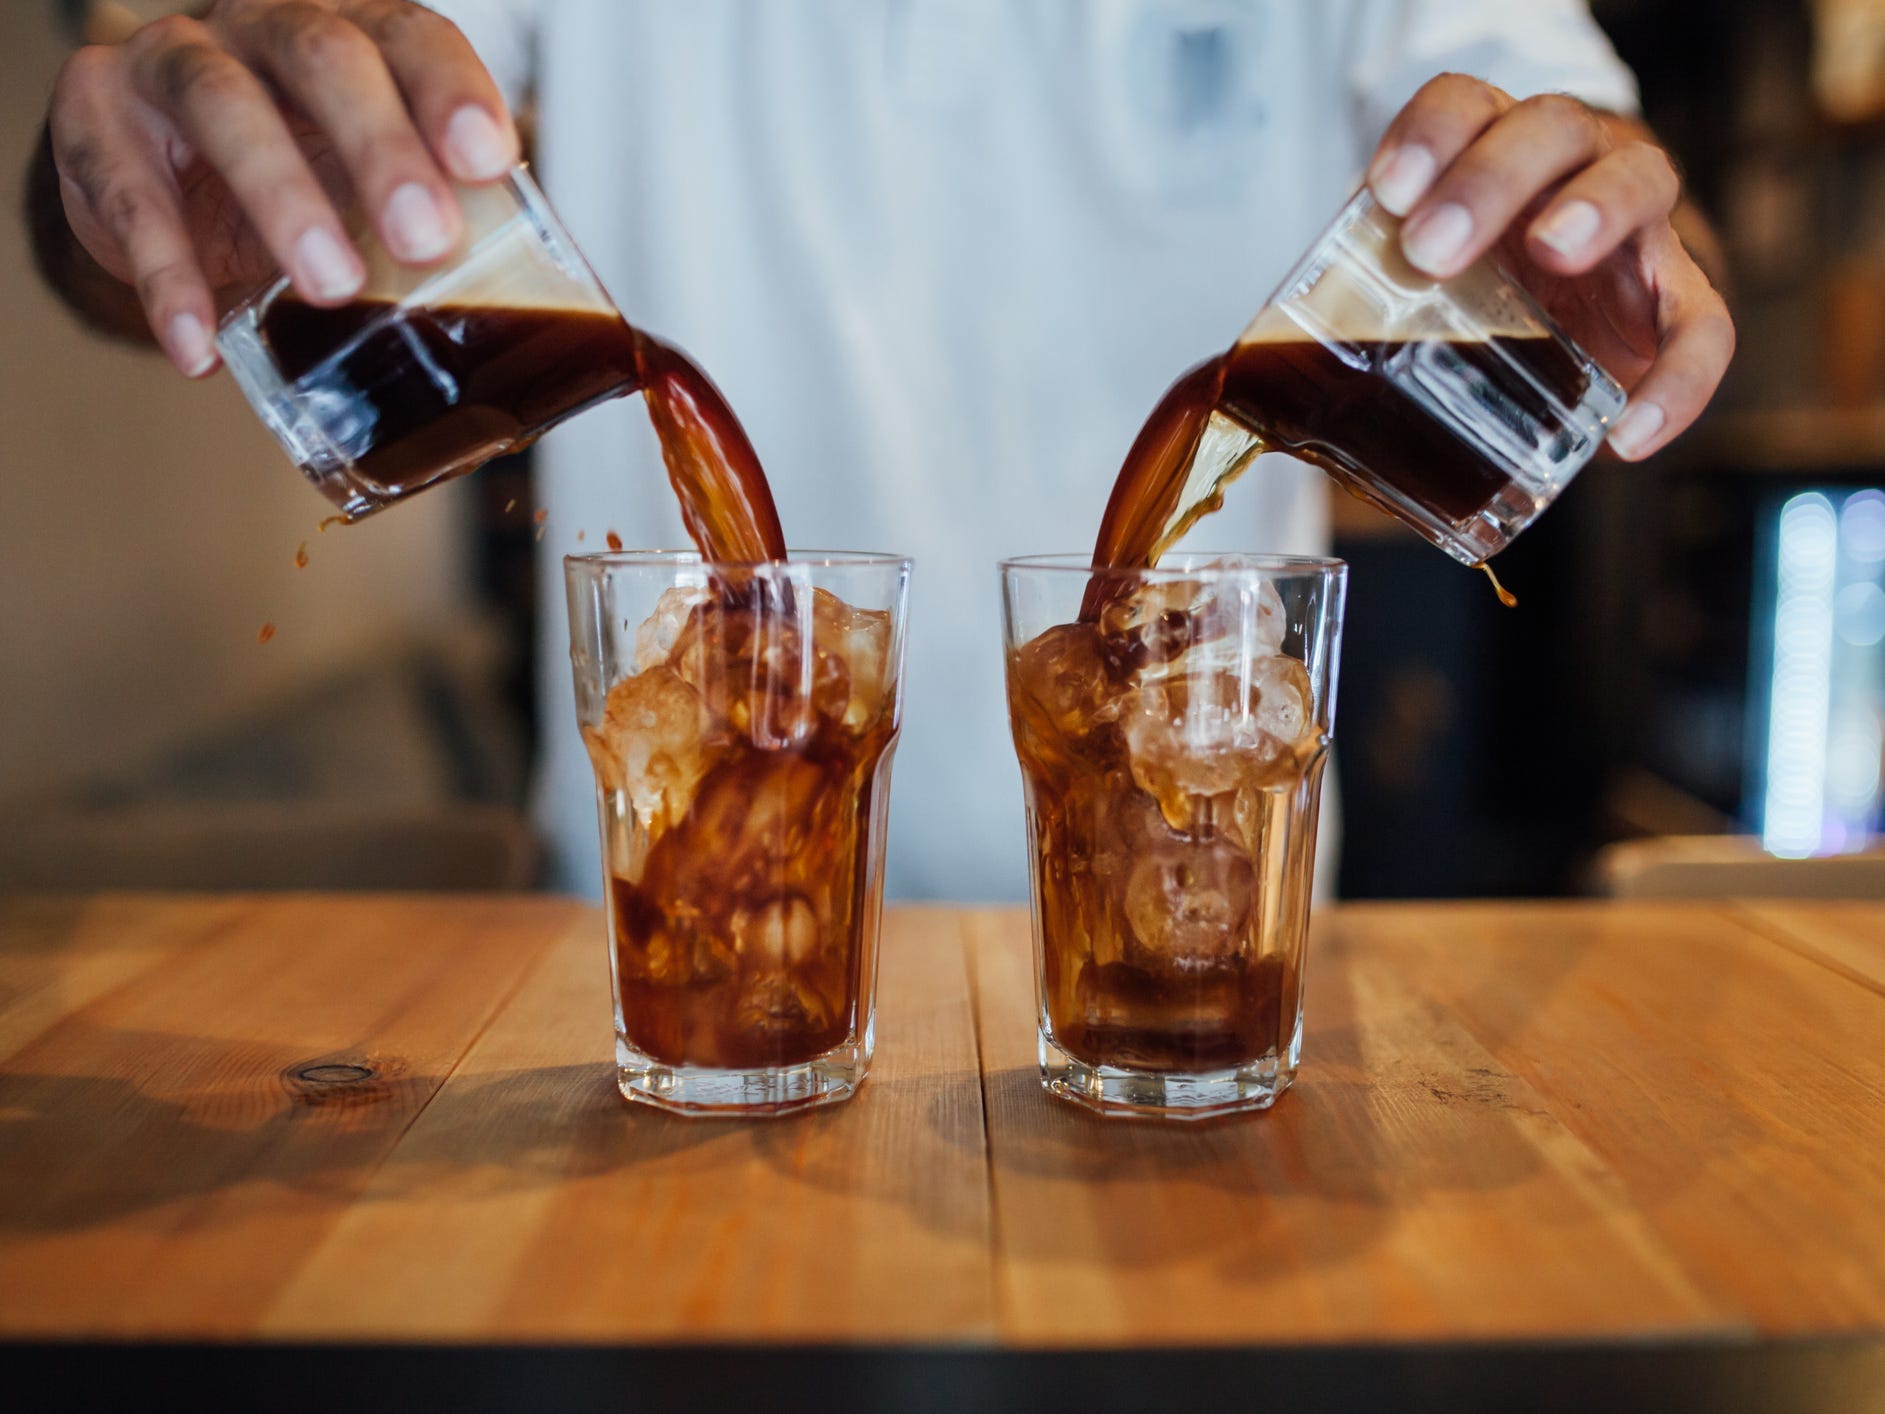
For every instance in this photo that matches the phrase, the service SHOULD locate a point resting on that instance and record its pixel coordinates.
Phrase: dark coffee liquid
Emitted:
(1149, 1018)
(1302, 397)
(743, 940)
(438, 392)
(745, 771)
(726, 501)
(1154, 501)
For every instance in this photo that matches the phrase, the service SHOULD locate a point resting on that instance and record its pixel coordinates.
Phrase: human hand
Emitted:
(1578, 203)
(207, 152)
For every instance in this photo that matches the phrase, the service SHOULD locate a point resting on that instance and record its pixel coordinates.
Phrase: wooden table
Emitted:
(367, 1119)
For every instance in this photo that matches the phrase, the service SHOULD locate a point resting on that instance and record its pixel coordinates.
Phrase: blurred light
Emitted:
(1862, 527)
(1793, 811)
(1853, 750)
(1859, 613)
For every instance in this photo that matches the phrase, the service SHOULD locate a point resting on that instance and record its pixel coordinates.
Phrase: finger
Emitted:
(335, 74)
(223, 111)
(1602, 206)
(112, 178)
(452, 96)
(1437, 125)
(1695, 352)
(86, 146)
(1525, 152)
(146, 219)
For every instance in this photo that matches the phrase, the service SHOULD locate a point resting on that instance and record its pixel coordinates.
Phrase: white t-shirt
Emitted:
(943, 256)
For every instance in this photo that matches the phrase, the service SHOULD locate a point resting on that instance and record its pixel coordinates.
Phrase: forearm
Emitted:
(102, 300)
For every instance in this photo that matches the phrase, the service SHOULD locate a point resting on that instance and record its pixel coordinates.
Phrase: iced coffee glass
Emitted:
(429, 373)
(1172, 746)
(741, 720)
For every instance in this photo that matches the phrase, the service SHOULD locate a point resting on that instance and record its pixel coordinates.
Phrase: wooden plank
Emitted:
(1735, 1088)
(1848, 937)
(165, 1163)
(531, 1201)
(1522, 1120)
(58, 954)
(1409, 1186)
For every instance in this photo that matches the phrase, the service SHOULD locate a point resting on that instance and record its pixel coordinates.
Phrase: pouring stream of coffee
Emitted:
(1324, 398)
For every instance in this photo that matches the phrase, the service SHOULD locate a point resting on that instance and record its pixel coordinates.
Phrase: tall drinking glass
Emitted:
(741, 720)
(1172, 749)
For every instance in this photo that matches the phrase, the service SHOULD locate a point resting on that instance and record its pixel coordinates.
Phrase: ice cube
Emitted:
(1282, 698)
(656, 741)
(659, 958)
(746, 658)
(1151, 624)
(781, 1006)
(1192, 626)
(859, 642)
(657, 634)
(1188, 904)
(1242, 622)
(1061, 693)
(780, 933)
(1193, 738)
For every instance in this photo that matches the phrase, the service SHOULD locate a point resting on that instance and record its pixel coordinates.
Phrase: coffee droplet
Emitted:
(266, 632)
(1506, 596)
(301, 555)
(615, 542)
(332, 520)
(510, 505)
(542, 515)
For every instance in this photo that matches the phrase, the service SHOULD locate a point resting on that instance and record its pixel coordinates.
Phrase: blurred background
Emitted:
(1691, 697)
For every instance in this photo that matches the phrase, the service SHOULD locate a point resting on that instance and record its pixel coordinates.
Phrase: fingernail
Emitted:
(1636, 429)
(1401, 176)
(326, 265)
(189, 345)
(1433, 240)
(1571, 227)
(415, 227)
(476, 144)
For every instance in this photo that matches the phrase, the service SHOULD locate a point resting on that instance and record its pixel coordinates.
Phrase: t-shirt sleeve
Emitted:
(1525, 47)
(504, 34)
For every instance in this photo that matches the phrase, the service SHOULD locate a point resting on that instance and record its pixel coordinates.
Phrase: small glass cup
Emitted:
(1172, 750)
(429, 373)
(1457, 405)
(741, 720)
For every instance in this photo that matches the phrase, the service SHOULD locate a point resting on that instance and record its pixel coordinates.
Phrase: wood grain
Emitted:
(1736, 1090)
(61, 954)
(1848, 937)
(531, 1198)
(163, 1170)
(1527, 1120)
(1408, 1186)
